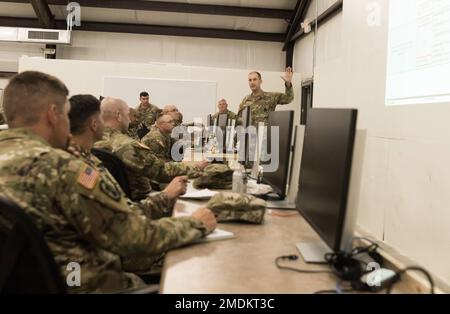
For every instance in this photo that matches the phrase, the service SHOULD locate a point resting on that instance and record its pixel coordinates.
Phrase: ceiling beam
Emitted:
(6, 74)
(177, 7)
(43, 13)
(151, 29)
(325, 16)
(299, 13)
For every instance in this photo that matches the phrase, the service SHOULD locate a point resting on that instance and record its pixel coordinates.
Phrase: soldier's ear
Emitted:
(52, 114)
(118, 116)
(93, 125)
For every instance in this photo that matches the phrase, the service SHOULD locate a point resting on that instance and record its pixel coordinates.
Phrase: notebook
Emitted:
(198, 194)
(218, 234)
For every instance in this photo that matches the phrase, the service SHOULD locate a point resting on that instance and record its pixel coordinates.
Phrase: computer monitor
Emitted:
(246, 121)
(222, 123)
(278, 179)
(209, 120)
(324, 179)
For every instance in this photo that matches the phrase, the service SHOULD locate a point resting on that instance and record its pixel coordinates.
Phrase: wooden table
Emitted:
(244, 264)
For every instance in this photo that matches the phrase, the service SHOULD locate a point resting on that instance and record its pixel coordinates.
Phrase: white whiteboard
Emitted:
(195, 99)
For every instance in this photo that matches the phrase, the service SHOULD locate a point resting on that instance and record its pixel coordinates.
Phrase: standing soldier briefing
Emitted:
(261, 102)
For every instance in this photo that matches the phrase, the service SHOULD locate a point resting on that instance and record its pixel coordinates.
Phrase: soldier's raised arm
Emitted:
(288, 96)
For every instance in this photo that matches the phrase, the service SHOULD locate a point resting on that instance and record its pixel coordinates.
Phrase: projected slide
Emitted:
(418, 70)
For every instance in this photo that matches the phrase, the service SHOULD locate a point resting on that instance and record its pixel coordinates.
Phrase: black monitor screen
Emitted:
(278, 178)
(246, 116)
(245, 146)
(325, 171)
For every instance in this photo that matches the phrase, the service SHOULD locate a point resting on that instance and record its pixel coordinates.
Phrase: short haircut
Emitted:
(143, 94)
(82, 107)
(110, 106)
(28, 94)
(257, 73)
(162, 115)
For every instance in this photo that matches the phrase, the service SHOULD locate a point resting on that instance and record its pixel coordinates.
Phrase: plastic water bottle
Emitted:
(244, 182)
(260, 175)
(237, 181)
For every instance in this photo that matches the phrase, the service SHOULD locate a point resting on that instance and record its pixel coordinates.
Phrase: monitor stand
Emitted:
(313, 252)
(273, 201)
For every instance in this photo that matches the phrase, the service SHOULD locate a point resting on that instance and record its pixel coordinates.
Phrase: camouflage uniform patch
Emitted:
(156, 205)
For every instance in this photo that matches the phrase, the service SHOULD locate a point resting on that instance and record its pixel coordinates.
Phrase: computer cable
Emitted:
(411, 268)
(298, 270)
(362, 238)
(371, 250)
(342, 264)
(348, 268)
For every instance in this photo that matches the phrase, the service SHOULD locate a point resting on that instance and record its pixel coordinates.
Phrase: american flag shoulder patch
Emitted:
(88, 177)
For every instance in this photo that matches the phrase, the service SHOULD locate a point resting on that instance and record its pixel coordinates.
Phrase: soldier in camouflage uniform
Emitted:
(141, 166)
(87, 127)
(83, 216)
(159, 140)
(223, 108)
(174, 112)
(133, 128)
(145, 114)
(260, 102)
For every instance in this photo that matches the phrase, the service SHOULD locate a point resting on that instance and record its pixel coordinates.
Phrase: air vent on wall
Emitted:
(35, 35)
(43, 35)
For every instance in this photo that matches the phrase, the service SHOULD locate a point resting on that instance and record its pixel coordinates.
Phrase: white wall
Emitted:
(403, 198)
(223, 53)
(87, 76)
(3, 83)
